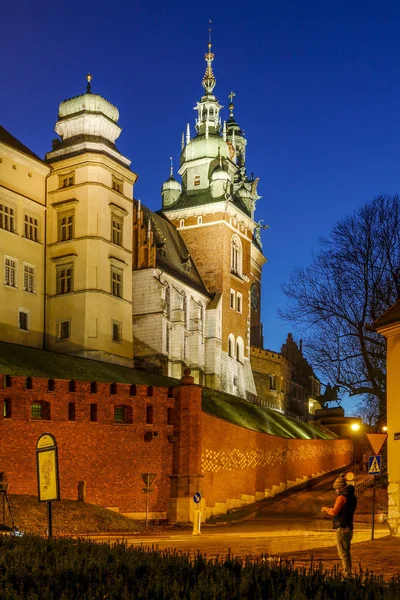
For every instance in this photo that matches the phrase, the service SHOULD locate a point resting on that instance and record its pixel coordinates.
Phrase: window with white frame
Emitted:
(239, 302)
(23, 320)
(240, 350)
(64, 278)
(196, 180)
(236, 255)
(65, 226)
(7, 217)
(10, 271)
(233, 295)
(231, 345)
(29, 278)
(31, 228)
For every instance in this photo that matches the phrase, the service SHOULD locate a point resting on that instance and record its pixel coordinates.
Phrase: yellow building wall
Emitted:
(393, 424)
(91, 307)
(22, 187)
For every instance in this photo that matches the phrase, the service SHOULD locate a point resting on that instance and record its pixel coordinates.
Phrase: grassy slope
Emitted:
(258, 418)
(19, 360)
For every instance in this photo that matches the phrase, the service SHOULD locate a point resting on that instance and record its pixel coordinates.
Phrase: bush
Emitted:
(32, 568)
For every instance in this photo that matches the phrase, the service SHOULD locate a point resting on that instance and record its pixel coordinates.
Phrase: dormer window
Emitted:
(196, 180)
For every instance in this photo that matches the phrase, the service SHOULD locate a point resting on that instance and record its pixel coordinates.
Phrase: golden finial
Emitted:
(88, 87)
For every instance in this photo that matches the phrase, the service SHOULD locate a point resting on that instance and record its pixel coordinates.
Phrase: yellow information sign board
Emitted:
(47, 468)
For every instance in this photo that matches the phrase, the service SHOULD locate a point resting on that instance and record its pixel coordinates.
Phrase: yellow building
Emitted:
(389, 326)
(89, 223)
(22, 242)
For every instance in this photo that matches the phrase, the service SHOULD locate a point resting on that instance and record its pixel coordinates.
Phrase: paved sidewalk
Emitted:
(382, 556)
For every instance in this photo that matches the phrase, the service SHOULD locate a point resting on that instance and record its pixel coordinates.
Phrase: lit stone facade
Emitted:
(22, 242)
(389, 326)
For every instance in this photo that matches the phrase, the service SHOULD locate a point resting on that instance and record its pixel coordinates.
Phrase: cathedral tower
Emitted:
(89, 217)
(215, 214)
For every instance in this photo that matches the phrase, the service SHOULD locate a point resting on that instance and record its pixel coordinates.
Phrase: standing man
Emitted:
(342, 513)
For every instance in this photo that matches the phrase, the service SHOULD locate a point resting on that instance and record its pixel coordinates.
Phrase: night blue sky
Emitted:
(317, 84)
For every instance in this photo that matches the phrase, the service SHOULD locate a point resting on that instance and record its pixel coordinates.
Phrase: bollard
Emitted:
(197, 522)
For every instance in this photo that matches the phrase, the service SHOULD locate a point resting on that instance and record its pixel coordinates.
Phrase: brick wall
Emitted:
(109, 456)
(241, 466)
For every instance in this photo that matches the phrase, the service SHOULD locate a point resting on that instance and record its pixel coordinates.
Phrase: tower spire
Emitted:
(171, 169)
(89, 87)
(231, 105)
(209, 80)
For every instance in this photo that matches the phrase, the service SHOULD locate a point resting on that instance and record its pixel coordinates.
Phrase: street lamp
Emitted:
(354, 427)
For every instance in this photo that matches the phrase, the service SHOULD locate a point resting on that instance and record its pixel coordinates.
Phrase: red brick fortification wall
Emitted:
(108, 455)
(240, 466)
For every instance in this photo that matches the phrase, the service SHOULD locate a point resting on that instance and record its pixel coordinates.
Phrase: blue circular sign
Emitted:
(197, 497)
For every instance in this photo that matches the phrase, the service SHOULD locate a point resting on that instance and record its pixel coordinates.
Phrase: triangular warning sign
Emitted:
(374, 468)
(376, 440)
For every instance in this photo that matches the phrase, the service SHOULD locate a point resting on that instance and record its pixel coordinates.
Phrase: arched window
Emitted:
(236, 255)
(167, 304)
(184, 309)
(240, 350)
(231, 345)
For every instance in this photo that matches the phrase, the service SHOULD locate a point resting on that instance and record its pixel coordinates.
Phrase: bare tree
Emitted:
(368, 409)
(351, 282)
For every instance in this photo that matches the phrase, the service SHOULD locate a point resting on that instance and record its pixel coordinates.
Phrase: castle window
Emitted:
(66, 180)
(116, 229)
(167, 303)
(232, 299)
(170, 416)
(182, 223)
(28, 383)
(149, 414)
(116, 282)
(184, 309)
(64, 330)
(117, 184)
(150, 391)
(40, 410)
(71, 411)
(10, 271)
(93, 413)
(65, 226)
(7, 408)
(50, 385)
(240, 350)
(272, 382)
(122, 414)
(236, 255)
(29, 278)
(64, 279)
(116, 331)
(23, 320)
(199, 220)
(7, 217)
(93, 387)
(113, 388)
(31, 228)
(72, 386)
(239, 302)
(167, 339)
(231, 345)
(196, 180)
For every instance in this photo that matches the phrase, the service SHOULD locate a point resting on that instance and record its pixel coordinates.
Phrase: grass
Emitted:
(30, 362)
(259, 418)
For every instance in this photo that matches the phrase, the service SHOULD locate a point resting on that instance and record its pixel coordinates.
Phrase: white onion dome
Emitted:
(171, 184)
(220, 174)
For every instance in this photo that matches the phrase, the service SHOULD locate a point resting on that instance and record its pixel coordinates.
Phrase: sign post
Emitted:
(148, 479)
(47, 474)
(197, 515)
(374, 466)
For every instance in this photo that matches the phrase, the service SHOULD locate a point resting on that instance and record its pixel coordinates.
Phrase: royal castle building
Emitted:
(88, 270)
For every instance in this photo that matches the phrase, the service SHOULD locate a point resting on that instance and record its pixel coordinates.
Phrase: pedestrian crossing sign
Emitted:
(374, 465)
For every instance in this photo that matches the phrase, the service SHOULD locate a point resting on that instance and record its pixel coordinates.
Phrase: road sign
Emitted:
(374, 465)
(376, 440)
(197, 497)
